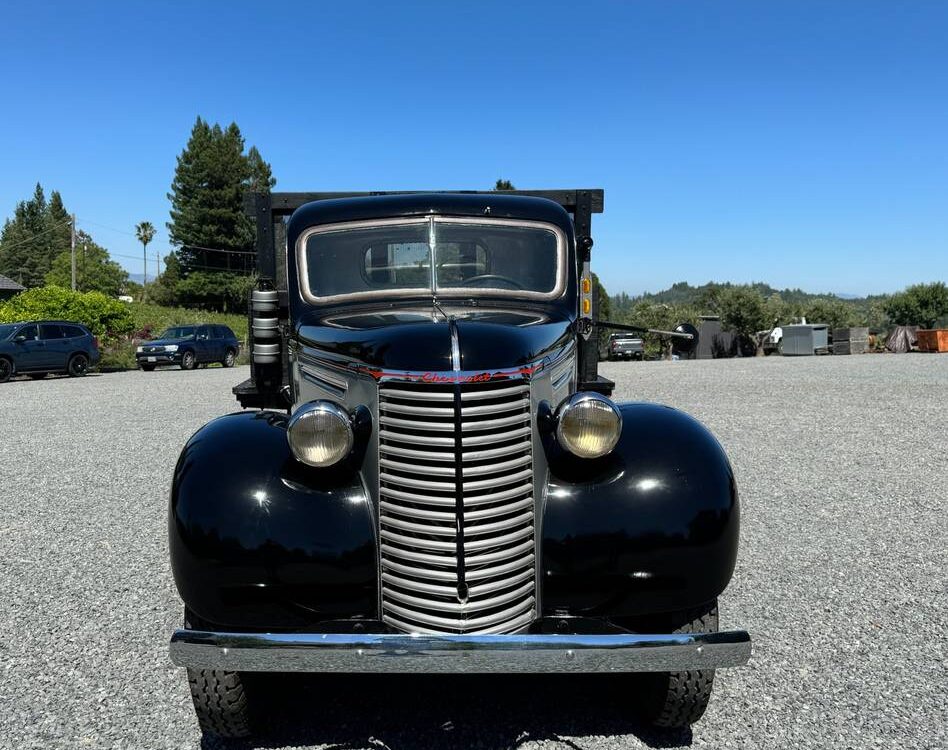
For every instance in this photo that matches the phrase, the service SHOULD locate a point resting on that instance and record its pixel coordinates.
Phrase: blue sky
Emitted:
(799, 143)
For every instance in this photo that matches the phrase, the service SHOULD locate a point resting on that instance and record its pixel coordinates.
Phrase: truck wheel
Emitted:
(6, 369)
(678, 699)
(220, 702)
(219, 697)
(229, 358)
(188, 361)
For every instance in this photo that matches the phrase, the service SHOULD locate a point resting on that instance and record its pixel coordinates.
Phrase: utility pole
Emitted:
(72, 244)
(157, 264)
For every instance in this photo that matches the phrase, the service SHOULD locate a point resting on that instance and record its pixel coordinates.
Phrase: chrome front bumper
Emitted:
(400, 653)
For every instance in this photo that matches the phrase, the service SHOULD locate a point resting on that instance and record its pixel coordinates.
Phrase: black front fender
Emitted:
(651, 528)
(259, 541)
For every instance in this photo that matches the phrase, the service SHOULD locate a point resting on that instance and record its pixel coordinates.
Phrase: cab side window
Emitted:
(52, 331)
(30, 332)
(202, 334)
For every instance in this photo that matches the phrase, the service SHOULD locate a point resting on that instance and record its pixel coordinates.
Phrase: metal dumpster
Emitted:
(805, 339)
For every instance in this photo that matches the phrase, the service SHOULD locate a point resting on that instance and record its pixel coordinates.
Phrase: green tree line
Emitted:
(749, 308)
(36, 249)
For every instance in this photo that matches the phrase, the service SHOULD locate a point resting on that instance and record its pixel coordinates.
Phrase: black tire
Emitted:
(674, 700)
(230, 358)
(220, 702)
(188, 361)
(38, 375)
(78, 365)
(148, 368)
(6, 369)
(219, 697)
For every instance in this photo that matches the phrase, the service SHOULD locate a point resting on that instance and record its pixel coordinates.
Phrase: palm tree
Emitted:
(145, 232)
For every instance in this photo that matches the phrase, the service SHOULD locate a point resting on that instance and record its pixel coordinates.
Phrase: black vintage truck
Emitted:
(430, 475)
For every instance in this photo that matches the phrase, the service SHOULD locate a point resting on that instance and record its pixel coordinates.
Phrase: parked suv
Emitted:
(37, 348)
(189, 346)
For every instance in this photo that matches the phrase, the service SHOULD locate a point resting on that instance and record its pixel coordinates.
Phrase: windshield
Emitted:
(5, 331)
(178, 332)
(447, 257)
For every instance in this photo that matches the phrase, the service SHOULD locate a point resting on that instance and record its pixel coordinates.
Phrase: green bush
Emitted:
(919, 305)
(117, 354)
(153, 319)
(103, 315)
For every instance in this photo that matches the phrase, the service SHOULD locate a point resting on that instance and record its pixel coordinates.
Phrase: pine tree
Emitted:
(208, 224)
(261, 177)
(38, 232)
(58, 220)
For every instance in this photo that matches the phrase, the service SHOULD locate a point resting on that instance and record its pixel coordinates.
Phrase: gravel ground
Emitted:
(841, 578)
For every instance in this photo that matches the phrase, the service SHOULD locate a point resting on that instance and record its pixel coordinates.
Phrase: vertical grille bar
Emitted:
(439, 543)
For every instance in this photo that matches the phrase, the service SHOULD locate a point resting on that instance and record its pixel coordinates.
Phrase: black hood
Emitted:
(419, 338)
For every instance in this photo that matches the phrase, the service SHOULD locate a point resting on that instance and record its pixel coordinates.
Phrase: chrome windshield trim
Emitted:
(403, 653)
(302, 262)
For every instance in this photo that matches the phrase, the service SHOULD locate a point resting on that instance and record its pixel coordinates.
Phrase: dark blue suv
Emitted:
(40, 347)
(189, 346)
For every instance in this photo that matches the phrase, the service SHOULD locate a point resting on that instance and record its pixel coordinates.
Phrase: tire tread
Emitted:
(681, 698)
(219, 697)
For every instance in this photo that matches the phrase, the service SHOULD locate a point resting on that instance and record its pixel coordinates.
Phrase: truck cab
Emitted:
(431, 475)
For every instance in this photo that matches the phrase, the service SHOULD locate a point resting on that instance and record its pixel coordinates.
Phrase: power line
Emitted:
(135, 257)
(190, 265)
(38, 234)
(218, 250)
(187, 245)
(105, 226)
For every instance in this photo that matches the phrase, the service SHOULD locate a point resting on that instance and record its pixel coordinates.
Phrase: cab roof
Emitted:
(488, 205)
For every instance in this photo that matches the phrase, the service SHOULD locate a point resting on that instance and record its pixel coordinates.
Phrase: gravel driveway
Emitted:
(841, 579)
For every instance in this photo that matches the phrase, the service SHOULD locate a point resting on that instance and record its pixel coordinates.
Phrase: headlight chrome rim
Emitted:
(304, 420)
(588, 400)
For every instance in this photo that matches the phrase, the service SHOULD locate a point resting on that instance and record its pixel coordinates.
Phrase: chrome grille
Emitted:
(424, 588)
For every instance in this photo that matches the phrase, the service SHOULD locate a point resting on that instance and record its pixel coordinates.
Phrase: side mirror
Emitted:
(20, 339)
(683, 345)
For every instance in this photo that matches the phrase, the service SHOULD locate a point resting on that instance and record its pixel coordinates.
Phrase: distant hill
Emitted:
(682, 301)
(683, 293)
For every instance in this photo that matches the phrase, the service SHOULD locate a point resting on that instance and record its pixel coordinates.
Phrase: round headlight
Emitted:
(588, 425)
(320, 433)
